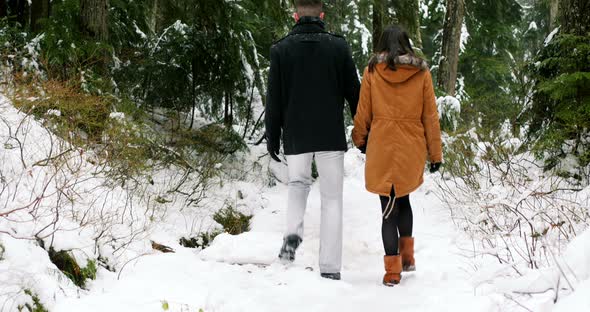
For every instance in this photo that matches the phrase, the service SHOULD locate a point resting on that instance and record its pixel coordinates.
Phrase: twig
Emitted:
(518, 303)
(126, 263)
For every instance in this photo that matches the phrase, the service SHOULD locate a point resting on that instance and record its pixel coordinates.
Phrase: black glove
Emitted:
(363, 149)
(273, 150)
(435, 167)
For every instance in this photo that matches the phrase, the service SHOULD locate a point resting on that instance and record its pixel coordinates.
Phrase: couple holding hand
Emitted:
(396, 124)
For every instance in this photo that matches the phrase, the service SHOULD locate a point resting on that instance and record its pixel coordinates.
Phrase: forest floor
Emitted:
(188, 280)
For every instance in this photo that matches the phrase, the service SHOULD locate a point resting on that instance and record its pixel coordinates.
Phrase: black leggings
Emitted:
(399, 223)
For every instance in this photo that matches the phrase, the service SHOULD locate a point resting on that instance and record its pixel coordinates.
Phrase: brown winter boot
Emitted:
(393, 270)
(406, 251)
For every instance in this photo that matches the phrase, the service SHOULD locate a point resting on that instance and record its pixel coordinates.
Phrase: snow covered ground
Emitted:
(209, 280)
(191, 280)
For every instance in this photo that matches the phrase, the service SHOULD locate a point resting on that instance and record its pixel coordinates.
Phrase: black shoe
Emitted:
(332, 276)
(290, 244)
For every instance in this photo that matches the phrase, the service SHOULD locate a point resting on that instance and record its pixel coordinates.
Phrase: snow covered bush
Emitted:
(34, 305)
(64, 196)
(233, 221)
(449, 109)
(66, 263)
(519, 217)
(575, 268)
(19, 53)
(522, 211)
(52, 185)
(51, 189)
(203, 240)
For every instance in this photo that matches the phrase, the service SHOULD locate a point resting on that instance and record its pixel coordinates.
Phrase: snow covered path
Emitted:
(186, 282)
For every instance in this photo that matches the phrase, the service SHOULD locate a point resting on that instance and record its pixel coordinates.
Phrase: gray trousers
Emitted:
(330, 167)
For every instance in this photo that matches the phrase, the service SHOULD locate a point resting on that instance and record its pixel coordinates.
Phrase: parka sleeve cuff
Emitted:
(436, 158)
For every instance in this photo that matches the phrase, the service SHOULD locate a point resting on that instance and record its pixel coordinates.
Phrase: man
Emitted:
(311, 73)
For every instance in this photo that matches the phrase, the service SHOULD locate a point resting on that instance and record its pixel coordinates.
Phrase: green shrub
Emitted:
(217, 138)
(67, 53)
(127, 147)
(233, 221)
(89, 272)
(203, 240)
(13, 52)
(37, 305)
(459, 153)
(81, 114)
(85, 121)
(450, 114)
(68, 265)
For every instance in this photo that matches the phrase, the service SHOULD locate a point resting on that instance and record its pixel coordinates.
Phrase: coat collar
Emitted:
(309, 24)
(405, 59)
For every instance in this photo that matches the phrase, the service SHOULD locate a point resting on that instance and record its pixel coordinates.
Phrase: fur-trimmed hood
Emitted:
(405, 59)
(408, 66)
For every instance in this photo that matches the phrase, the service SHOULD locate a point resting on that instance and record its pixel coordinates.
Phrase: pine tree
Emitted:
(407, 14)
(560, 114)
(351, 19)
(433, 15)
(553, 13)
(451, 44)
(154, 11)
(487, 62)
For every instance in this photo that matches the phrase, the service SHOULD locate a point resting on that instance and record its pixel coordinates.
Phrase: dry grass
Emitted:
(83, 117)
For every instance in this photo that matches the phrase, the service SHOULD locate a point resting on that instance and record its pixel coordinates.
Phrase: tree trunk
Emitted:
(575, 17)
(553, 14)
(231, 111)
(407, 13)
(39, 10)
(451, 44)
(3, 8)
(193, 89)
(249, 113)
(381, 18)
(94, 18)
(378, 14)
(22, 12)
(226, 121)
(153, 21)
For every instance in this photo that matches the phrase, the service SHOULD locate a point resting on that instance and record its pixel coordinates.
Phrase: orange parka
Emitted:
(397, 120)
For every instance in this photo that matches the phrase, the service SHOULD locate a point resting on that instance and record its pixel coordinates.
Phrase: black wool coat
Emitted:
(311, 74)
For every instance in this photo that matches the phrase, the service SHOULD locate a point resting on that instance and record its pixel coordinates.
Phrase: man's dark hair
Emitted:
(309, 7)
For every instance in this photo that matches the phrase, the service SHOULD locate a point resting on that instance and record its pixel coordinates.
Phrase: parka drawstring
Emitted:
(389, 208)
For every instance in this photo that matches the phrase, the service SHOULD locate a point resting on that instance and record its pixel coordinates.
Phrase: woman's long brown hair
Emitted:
(395, 42)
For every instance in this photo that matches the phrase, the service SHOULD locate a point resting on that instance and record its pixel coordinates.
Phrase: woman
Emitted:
(397, 125)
